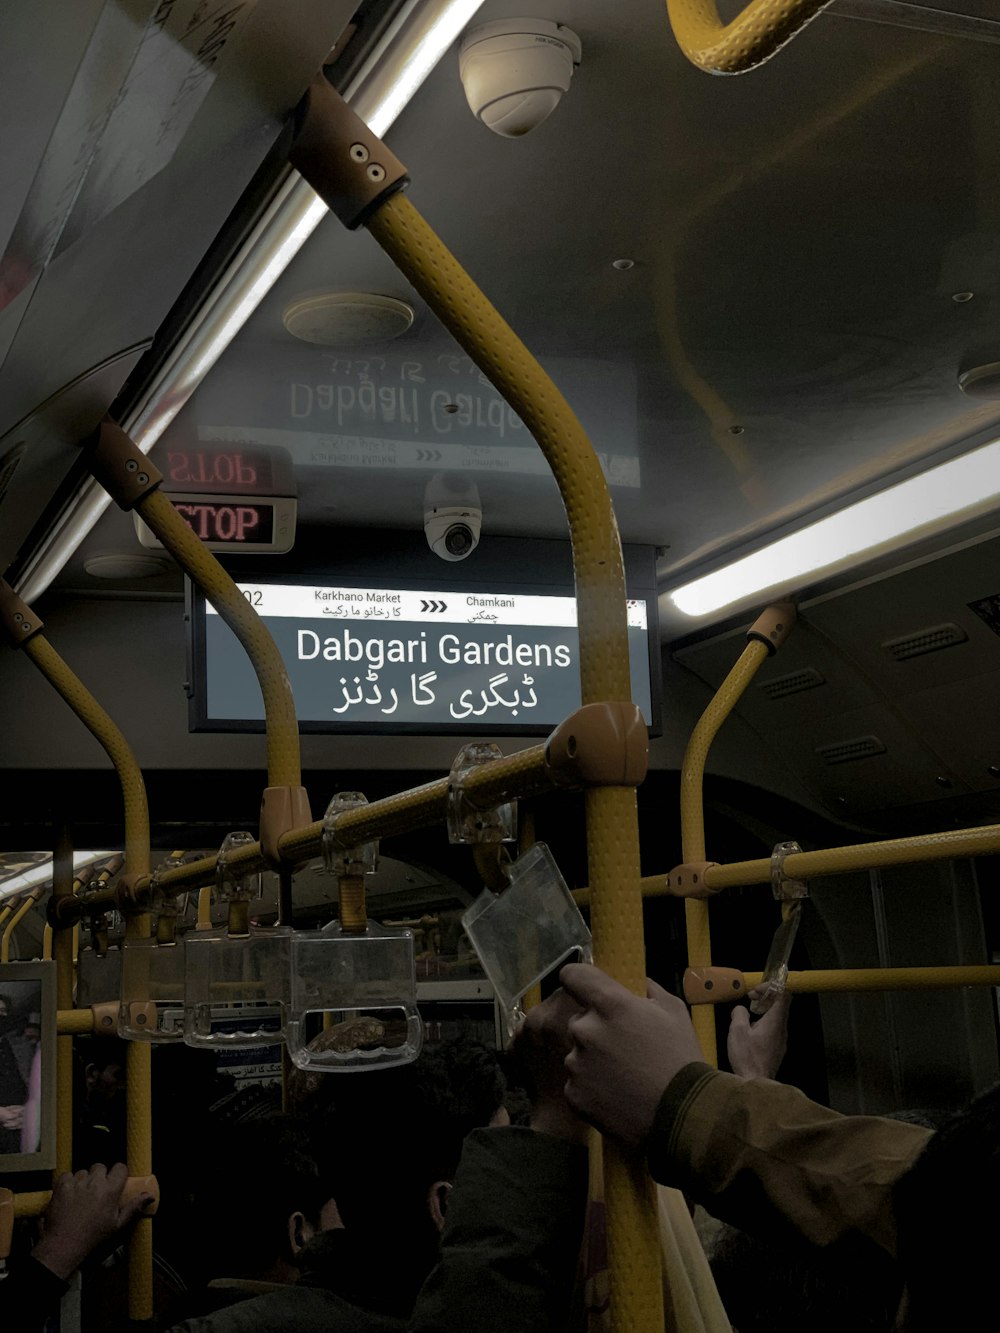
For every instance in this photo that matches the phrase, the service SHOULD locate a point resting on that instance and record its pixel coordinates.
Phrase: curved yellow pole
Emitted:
(283, 761)
(107, 733)
(10, 906)
(699, 941)
(14, 922)
(138, 1089)
(762, 28)
(612, 825)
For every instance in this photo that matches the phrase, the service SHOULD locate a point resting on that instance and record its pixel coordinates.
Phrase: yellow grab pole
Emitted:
(983, 841)
(699, 943)
(883, 979)
(14, 922)
(47, 943)
(110, 737)
(612, 825)
(11, 906)
(137, 1064)
(62, 949)
(139, 1154)
(752, 37)
(283, 759)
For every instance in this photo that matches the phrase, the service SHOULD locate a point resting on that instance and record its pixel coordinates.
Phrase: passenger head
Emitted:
(398, 1134)
(268, 1192)
(947, 1245)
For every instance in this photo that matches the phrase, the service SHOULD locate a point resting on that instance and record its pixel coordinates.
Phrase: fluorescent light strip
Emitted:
(42, 873)
(379, 94)
(919, 507)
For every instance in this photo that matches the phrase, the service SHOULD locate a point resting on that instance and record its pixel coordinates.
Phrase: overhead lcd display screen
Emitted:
(419, 660)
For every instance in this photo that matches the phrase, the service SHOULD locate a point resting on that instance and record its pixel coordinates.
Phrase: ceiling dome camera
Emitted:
(515, 71)
(453, 533)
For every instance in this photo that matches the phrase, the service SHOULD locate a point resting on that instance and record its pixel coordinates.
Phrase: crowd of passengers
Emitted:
(435, 1196)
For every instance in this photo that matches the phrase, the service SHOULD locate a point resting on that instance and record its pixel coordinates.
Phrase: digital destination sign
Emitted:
(407, 660)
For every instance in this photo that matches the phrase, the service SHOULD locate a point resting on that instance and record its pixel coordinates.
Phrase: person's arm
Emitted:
(755, 1153)
(85, 1210)
(756, 1049)
(762, 1156)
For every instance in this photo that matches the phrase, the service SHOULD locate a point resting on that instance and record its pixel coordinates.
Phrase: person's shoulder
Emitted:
(306, 1309)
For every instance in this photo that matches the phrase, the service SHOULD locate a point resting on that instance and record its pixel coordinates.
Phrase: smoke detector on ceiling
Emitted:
(515, 71)
(347, 319)
(125, 565)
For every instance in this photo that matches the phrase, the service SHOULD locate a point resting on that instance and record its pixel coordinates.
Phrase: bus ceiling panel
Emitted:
(158, 129)
(786, 335)
(40, 453)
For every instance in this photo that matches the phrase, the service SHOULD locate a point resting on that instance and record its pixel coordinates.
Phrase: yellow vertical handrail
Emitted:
(15, 921)
(24, 631)
(612, 823)
(766, 633)
(752, 37)
(62, 951)
(284, 765)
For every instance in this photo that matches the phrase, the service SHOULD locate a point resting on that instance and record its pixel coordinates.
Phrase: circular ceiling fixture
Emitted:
(125, 565)
(981, 381)
(347, 319)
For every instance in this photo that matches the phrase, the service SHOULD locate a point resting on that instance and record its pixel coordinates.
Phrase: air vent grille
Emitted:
(794, 683)
(929, 640)
(845, 752)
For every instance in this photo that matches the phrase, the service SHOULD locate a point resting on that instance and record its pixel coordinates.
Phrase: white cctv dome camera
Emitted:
(514, 72)
(453, 516)
(453, 531)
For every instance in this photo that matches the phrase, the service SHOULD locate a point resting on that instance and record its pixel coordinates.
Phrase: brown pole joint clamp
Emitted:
(282, 809)
(120, 465)
(347, 165)
(105, 1017)
(773, 625)
(600, 745)
(17, 620)
(713, 985)
(688, 880)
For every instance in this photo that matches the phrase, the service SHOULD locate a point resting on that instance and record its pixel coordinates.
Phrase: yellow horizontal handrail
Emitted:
(883, 979)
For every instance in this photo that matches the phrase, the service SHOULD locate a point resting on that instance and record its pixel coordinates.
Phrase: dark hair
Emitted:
(5, 999)
(262, 1171)
(946, 1253)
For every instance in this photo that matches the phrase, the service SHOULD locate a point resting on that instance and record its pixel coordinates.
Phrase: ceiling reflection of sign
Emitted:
(373, 659)
(401, 411)
(309, 449)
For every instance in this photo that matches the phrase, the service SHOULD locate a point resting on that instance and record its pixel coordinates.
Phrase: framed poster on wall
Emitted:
(27, 1067)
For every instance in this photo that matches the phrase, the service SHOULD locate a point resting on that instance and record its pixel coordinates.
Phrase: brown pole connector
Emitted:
(105, 1017)
(688, 880)
(129, 898)
(600, 745)
(774, 625)
(713, 985)
(282, 809)
(142, 1014)
(17, 620)
(347, 165)
(120, 465)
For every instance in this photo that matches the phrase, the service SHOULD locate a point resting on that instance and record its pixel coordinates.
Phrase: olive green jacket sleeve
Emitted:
(762, 1156)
